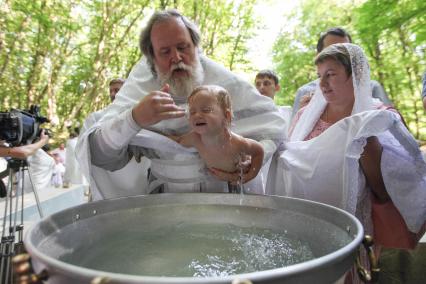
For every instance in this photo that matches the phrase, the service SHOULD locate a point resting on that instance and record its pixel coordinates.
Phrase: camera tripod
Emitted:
(13, 225)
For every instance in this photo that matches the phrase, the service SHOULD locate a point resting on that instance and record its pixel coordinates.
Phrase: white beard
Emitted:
(182, 86)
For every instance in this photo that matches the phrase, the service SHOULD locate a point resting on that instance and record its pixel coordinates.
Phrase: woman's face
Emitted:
(335, 84)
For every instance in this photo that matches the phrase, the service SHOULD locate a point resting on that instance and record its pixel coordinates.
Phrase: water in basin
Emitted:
(191, 250)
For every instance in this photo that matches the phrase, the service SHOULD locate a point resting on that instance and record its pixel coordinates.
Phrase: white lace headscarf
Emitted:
(362, 92)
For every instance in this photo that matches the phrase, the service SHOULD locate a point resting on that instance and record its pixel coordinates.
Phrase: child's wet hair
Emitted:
(221, 94)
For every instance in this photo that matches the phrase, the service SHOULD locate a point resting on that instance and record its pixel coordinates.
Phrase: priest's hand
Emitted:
(155, 107)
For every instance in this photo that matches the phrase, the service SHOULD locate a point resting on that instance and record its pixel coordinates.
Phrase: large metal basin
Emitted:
(332, 234)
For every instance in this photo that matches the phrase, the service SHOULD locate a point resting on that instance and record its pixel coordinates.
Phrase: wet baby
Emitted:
(210, 115)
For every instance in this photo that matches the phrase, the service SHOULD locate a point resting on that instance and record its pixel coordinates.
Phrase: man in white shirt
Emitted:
(268, 84)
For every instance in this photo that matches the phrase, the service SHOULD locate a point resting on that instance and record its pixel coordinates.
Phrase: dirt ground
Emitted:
(403, 266)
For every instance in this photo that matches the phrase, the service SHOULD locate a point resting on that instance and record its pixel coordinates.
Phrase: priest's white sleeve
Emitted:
(109, 143)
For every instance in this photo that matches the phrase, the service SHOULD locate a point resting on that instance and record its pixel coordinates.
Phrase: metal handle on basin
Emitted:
(365, 275)
(24, 273)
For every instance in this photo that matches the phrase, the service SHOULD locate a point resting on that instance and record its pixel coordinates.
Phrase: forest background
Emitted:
(61, 54)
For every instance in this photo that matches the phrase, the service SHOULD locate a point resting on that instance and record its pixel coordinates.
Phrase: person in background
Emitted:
(153, 99)
(424, 105)
(424, 91)
(58, 171)
(210, 116)
(62, 153)
(115, 86)
(347, 151)
(72, 173)
(267, 83)
(40, 163)
(332, 36)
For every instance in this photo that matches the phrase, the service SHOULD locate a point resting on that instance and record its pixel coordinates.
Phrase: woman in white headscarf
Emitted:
(346, 152)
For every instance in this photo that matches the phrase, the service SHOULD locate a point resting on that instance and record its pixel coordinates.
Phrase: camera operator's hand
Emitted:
(23, 152)
(44, 138)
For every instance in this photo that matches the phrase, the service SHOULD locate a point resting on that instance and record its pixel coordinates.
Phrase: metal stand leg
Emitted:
(12, 233)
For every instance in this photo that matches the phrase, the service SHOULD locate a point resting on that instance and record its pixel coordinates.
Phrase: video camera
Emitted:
(21, 127)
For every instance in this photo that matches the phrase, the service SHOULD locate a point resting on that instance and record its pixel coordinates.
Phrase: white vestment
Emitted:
(72, 169)
(174, 167)
(326, 168)
(129, 180)
(286, 112)
(41, 167)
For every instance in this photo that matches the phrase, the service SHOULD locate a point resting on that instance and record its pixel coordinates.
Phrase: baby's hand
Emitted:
(233, 177)
(243, 163)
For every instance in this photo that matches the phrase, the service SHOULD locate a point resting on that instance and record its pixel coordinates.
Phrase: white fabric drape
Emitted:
(326, 168)
(72, 169)
(129, 180)
(41, 167)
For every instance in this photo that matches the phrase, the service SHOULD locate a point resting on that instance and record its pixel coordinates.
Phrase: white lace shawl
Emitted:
(362, 91)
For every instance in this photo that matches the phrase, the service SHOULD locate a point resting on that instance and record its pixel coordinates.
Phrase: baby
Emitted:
(210, 117)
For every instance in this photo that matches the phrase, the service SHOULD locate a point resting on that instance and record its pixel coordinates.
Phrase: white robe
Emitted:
(72, 169)
(41, 167)
(326, 168)
(122, 182)
(179, 169)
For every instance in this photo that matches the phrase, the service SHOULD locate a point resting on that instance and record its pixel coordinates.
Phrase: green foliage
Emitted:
(393, 34)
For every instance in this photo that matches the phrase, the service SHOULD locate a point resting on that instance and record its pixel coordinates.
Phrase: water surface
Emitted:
(191, 250)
